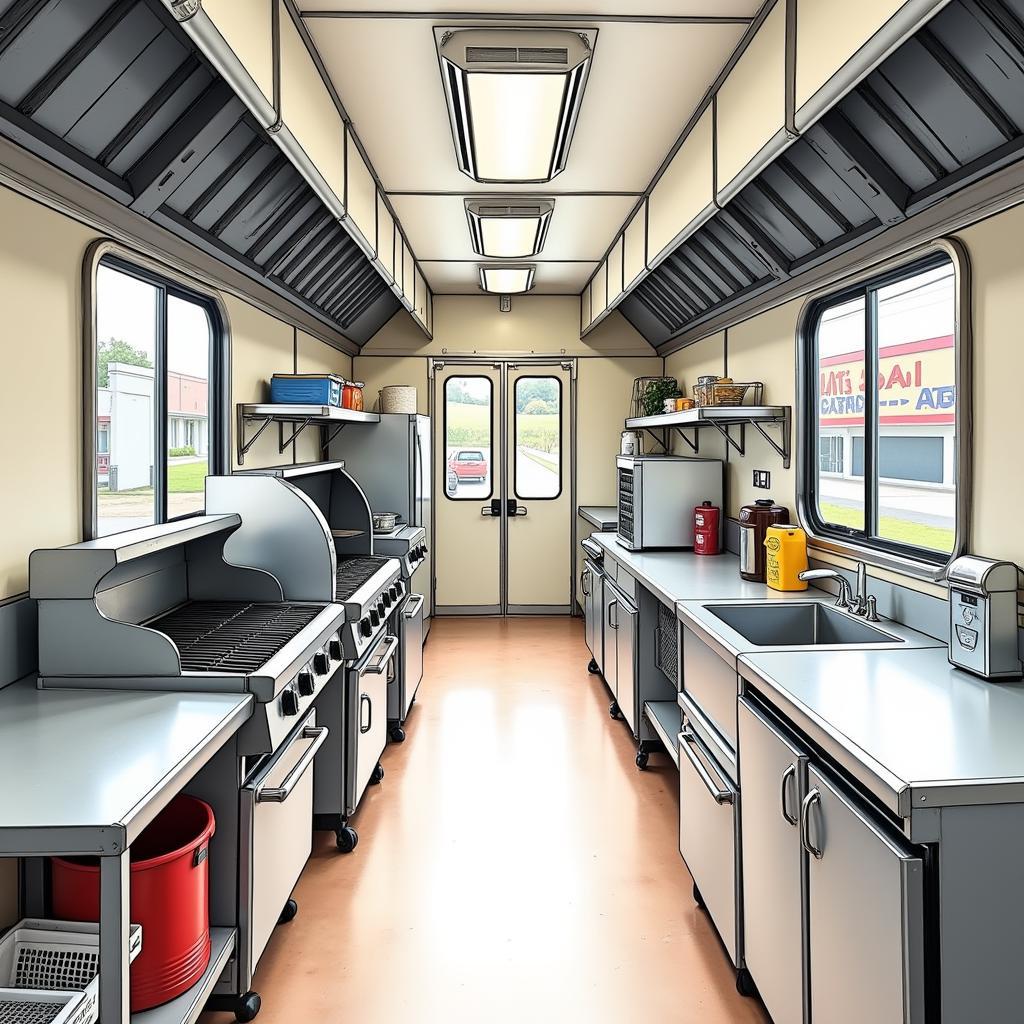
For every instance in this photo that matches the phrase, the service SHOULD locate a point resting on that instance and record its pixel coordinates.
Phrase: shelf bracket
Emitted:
(693, 445)
(243, 445)
(740, 445)
(660, 438)
(783, 449)
(327, 437)
(298, 430)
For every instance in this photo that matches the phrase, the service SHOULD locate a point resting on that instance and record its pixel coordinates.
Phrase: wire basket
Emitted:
(731, 393)
(49, 970)
(666, 646)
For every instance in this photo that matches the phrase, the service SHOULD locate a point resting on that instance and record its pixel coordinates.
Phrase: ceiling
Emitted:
(650, 70)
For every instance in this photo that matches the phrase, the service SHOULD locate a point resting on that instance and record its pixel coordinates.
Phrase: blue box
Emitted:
(306, 389)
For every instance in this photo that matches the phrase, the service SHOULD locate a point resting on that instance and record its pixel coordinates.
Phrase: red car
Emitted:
(468, 464)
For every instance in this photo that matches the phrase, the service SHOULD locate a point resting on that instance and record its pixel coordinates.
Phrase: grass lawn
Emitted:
(186, 477)
(468, 425)
(935, 538)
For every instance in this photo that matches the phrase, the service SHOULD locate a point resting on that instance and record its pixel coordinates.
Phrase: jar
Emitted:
(357, 395)
(346, 395)
(754, 522)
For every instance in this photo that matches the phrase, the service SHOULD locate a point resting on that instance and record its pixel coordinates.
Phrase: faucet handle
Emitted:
(871, 614)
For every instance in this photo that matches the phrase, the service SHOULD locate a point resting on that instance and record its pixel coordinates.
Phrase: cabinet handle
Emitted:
(789, 773)
(690, 745)
(814, 797)
(615, 624)
(583, 583)
(364, 701)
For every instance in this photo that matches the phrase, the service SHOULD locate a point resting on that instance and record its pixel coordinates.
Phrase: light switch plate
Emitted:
(762, 479)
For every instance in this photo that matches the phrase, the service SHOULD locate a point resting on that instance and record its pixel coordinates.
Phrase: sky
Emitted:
(126, 309)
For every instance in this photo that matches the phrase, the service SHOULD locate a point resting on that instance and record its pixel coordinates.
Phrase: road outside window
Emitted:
(538, 436)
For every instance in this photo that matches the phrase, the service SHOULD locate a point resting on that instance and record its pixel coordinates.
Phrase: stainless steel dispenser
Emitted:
(983, 617)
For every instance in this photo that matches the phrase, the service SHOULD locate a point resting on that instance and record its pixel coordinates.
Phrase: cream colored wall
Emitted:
(377, 372)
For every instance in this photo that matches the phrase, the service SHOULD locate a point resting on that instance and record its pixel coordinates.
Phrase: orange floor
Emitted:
(513, 866)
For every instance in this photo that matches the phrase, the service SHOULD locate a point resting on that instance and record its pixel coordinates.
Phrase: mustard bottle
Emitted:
(786, 557)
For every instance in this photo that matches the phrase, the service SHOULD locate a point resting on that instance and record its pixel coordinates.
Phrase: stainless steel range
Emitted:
(171, 608)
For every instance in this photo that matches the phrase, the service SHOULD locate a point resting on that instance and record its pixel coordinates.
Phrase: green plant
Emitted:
(185, 449)
(655, 394)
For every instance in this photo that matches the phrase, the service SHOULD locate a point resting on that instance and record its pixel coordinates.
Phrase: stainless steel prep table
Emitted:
(87, 771)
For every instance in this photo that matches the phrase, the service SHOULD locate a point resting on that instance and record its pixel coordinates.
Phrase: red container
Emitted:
(707, 529)
(169, 898)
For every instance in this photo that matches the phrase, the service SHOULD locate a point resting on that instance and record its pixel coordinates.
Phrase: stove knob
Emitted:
(381, 608)
(306, 684)
(365, 627)
(374, 620)
(336, 649)
(289, 703)
(321, 663)
(400, 588)
(387, 597)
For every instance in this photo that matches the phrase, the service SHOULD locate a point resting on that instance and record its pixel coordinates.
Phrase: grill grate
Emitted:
(353, 573)
(233, 636)
(12, 1012)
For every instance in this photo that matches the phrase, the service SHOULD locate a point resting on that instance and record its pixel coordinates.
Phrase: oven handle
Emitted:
(278, 794)
(388, 649)
(690, 746)
(413, 606)
(364, 698)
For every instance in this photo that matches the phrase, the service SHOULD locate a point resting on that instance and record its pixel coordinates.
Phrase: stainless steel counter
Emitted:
(87, 770)
(604, 517)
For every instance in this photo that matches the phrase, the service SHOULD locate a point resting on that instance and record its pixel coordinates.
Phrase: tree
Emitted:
(538, 407)
(114, 350)
(529, 388)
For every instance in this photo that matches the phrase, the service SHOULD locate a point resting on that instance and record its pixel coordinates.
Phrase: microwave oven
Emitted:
(657, 496)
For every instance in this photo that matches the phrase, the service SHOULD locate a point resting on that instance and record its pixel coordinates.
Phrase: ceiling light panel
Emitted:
(507, 280)
(512, 231)
(513, 96)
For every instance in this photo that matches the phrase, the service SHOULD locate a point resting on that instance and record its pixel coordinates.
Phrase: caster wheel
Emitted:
(745, 983)
(697, 898)
(642, 757)
(592, 667)
(348, 839)
(613, 710)
(378, 774)
(288, 912)
(397, 734)
(247, 1007)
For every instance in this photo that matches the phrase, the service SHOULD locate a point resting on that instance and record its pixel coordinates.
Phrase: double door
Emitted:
(832, 894)
(503, 515)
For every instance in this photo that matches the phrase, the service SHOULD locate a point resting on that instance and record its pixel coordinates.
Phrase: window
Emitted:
(157, 358)
(469, 451)
(538, 437)
(886, 471)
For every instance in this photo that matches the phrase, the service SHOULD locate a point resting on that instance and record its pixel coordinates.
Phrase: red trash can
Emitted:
(169, 898)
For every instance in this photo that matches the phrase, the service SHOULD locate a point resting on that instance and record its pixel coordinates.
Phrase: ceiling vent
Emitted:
(514, 96)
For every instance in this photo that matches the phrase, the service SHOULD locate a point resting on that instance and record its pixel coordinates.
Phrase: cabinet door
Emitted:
(771, 772)
(625, 662)
(865, 925)
(587, 586)
(610, 608)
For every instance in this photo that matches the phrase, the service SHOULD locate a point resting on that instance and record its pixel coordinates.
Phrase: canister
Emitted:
(754, 522)
(785, 557)
(707, 520)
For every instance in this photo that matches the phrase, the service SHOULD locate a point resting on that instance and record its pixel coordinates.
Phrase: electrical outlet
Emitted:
(505, 304)
(762, 479)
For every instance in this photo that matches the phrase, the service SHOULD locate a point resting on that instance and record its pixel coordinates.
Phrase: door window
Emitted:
(469, 448)
(538, 437)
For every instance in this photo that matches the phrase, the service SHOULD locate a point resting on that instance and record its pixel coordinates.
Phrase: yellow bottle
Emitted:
(786, 550)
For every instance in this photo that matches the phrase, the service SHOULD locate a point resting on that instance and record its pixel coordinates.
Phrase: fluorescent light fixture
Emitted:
(513, 98)
(506, 280)
(509, 231)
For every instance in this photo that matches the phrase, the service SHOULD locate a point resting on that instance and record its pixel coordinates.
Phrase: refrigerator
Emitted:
(391, 462)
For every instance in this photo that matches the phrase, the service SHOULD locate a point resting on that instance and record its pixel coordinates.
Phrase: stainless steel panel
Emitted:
(707, 836)
(406, 679)
(626, 619)
(711, 684)
(367, 716)
(609, 607)
(865, 927)
(772, 769)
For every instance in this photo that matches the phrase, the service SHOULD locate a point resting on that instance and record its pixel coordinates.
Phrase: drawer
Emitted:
(627, 584)
(707, 836)
(710, 683)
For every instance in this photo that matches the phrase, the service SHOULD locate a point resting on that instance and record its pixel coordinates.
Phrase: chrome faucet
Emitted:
(858, 603)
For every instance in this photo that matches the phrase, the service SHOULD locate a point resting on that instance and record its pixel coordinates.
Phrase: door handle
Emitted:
(493, 509)
(812, 798)
(583, 583)
(278, 794)
(787, 775)
(513, 508)
(364, 701)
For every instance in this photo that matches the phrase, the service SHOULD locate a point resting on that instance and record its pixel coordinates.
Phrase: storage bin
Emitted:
(398, 398)
(306, 389)
(48, 972)
(169, 898)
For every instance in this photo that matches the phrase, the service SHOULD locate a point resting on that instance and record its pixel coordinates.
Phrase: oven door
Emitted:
(367, 716)
(277, 835)
(410, 633)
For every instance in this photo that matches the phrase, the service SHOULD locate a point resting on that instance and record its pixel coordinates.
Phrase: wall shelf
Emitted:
(722, 418)
(330, 419)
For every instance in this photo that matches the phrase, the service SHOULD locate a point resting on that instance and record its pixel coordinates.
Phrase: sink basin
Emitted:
(798, 625)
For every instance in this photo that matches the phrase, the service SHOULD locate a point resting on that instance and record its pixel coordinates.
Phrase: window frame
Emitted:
(515, 439)
(171, 283)
(490, 444)
(916, 562)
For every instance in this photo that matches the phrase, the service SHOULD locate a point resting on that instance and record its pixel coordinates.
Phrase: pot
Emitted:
(384, 522)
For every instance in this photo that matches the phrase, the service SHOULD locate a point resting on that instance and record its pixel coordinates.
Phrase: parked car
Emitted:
(453, 481)
(468, 464)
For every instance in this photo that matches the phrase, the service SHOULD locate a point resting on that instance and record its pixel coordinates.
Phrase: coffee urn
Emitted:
(754, 522)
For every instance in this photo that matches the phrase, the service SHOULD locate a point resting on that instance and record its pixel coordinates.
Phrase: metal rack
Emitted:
(330, 419)
(722, 418)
